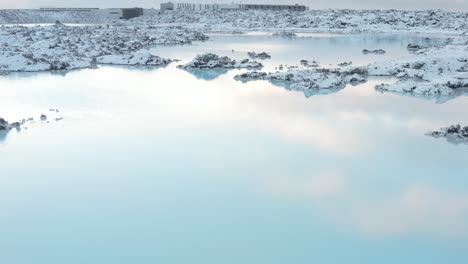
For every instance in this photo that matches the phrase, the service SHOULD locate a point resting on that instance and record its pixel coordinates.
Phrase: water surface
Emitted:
(165, 166)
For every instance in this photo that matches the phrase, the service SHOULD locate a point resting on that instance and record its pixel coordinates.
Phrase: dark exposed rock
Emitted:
(262, 55)
(250, 76)
(377, 51)
(93, 64)
(57, 65)
(311, 64)
(415, 47)
(455, 134)
(284, 34)
(3, 124)
(345, 64)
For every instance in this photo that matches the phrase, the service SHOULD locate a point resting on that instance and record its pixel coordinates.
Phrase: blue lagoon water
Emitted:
(168, 166)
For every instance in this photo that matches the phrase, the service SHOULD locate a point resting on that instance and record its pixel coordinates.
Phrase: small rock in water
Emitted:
(57, 65)
(262, 55)
(284, 34)
(58, 23)
(415, 47)
(250, 76)
(377, 51)
(311, 64)
(93, 64)
(16, 125)
(3, 124)
(345, 64)
(455, 134)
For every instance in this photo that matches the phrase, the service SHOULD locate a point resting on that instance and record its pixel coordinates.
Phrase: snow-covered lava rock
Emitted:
(317, 81)
(261, 55)
(455, 134)
(376, 52)
(139, 58)
(60, 47)
(311, 64)
(438, 71)
(345, 64)
(213, 61)
(415, 47)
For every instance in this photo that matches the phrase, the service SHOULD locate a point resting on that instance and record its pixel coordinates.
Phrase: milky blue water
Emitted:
(168, 166)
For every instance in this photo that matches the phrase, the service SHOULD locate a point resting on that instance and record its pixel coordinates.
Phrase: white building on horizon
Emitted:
(233, 6)
(198, 7)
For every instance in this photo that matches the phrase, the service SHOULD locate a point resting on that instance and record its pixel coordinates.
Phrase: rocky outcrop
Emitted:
(415, 47)
(319, 81)
(433, 73)
(139, 58)
(455, 134)
(345, 64)
(262, 55)
(310, 64)
(213, 61)
(4, 125)
(375, 52)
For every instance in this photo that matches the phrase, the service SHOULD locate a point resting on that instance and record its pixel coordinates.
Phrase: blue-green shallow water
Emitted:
(162, 166)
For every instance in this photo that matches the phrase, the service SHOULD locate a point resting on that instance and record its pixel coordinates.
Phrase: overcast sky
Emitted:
(460, 5)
